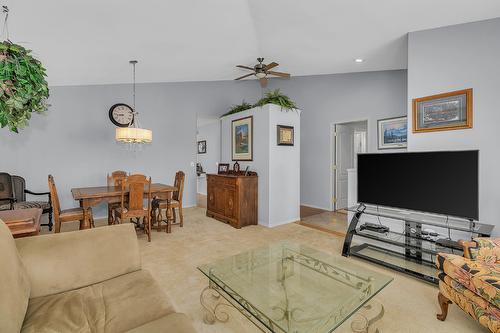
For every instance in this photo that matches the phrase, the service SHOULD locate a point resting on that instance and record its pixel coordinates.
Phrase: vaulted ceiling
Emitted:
(91, 41)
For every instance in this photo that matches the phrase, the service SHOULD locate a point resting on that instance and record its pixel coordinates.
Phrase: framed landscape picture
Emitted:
(202, 147)
(285, 135)
(242, 139)
(393, 133)
(443, 112)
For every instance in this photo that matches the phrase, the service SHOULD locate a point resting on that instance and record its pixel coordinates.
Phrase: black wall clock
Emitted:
(121, 115)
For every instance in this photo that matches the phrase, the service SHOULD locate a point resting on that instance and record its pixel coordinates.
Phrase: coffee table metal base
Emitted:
(213, 300)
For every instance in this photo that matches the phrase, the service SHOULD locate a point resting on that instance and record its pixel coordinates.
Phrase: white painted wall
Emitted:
(458, 57)
(75, 140)
(284, 169)
(278, 167)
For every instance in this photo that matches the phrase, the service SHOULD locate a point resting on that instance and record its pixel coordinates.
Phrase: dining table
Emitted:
(92, 196)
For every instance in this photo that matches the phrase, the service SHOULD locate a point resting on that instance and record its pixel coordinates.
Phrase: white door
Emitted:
(344, 158)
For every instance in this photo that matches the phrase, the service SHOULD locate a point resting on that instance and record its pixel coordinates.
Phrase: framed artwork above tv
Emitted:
(443, 112)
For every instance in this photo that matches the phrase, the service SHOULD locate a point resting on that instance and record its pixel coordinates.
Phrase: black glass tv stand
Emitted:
(413, 240)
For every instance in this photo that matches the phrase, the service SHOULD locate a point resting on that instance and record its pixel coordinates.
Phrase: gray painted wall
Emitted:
(75, 141)
(454, 58)
(338, 98)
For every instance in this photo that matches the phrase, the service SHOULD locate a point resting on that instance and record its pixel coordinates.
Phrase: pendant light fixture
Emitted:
(134, 135)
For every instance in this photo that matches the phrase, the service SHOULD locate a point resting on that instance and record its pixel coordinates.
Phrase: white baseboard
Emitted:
(313, 206)
(276, 224)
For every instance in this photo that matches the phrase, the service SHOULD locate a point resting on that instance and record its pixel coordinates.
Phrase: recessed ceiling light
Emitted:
(358, 60)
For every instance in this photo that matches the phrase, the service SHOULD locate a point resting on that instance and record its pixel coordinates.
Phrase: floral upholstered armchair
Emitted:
(472, 281)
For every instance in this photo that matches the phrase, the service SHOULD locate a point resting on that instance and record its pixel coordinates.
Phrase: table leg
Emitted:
(211, 301)
(363, 321)
(86, 214)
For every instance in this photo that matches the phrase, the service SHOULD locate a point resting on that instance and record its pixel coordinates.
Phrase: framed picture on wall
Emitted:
(242, 139)
(285, 135)
(202, 147)
(392, 133)
(443, 112)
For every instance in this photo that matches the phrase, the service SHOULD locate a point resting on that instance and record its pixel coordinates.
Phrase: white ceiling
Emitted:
(91, 41)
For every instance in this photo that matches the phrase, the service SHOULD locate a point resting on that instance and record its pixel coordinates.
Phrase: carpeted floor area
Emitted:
(410, 305)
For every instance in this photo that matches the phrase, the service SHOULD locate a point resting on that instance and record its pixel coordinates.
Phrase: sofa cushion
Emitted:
(61, 262)
(480, 277)
(15, 284)
(488, 317)
(115, 305)
(174, 322)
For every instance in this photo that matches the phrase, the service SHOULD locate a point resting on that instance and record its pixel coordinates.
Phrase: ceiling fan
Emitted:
(261, 71)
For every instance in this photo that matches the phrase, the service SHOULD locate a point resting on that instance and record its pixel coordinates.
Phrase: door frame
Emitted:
(333, 156)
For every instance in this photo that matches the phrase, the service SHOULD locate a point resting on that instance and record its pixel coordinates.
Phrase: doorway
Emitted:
(208, 147)
(348, 140)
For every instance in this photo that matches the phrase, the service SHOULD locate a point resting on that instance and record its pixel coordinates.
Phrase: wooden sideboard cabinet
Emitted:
(232, 199)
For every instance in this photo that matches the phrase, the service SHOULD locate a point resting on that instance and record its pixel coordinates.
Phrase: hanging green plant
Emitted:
(238, 108)
(23, 88)
(277, 98)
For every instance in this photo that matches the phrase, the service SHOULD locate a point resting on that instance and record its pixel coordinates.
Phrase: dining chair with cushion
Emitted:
(20, 191)
(171, 205)
(132, 201)
(7, 198)
(115, 179)
(17, 190)
(67, 215)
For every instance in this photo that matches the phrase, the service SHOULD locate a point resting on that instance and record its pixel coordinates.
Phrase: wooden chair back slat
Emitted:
(54, 197)
(179, 184)
(116, 177)
(137, 185)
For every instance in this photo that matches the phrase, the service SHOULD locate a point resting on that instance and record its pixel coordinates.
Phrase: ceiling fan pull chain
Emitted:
(5, 29)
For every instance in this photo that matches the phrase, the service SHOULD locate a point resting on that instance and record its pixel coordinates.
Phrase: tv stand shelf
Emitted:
(408, 251)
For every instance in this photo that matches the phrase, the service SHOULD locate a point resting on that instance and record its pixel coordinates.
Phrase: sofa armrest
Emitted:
(71, 260)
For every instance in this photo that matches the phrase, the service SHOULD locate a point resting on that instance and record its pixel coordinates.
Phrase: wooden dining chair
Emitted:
(171, 205)
(132, 201)
(67, 215)
(114, 179)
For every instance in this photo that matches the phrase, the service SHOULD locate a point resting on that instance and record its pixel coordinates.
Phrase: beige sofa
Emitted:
(83, 281)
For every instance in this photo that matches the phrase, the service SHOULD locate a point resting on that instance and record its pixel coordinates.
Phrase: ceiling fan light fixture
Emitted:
(260, 75)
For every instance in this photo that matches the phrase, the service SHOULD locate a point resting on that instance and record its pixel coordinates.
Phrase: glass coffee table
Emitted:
(287, 287)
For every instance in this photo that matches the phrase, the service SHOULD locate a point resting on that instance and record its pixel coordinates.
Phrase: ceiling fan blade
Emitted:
(271, 65)
(244, 76)
(245, 67)
(281, 74)
(263, 82)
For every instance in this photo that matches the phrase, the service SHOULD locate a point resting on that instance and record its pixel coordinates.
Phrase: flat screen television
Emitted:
(442, 182)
